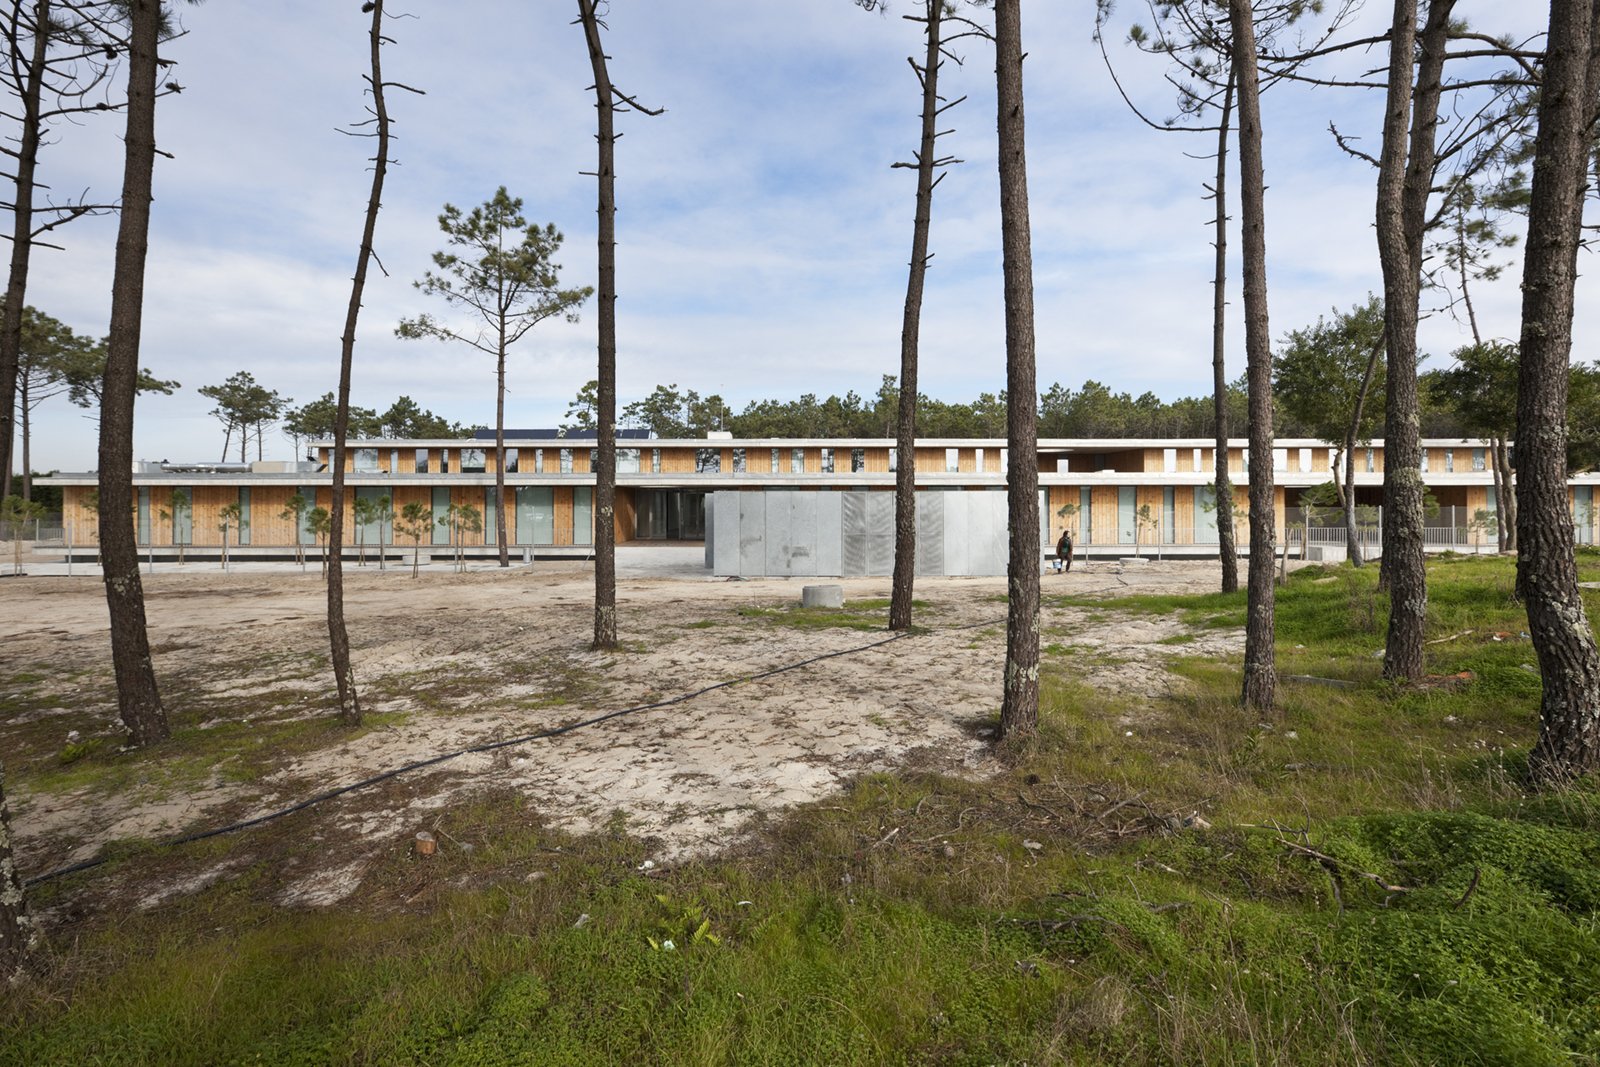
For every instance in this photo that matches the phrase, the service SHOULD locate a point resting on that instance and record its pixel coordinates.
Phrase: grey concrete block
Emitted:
(724, 516)
(752, 553)
(930, 533)
(779, 533)
(853, 534)
(822, 596)
(957, 507)
(880, 534)
(829, 555)
(802, 545)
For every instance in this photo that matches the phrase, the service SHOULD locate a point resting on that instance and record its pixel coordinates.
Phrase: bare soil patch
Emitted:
(450, 661)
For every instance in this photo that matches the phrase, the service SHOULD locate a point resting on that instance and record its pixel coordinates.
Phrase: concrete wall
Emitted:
(810, 533)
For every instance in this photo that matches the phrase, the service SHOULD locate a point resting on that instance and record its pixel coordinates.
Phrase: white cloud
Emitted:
(762, 236)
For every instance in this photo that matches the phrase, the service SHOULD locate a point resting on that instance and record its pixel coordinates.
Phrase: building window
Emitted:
(535, 515)
(566, 461)
(1424, 463)
(858, 460)
(627, 461)
(1450, 461)
(243, 532)
(655, 461)
(1005, 460)
(422, 461)
(776, 461)
(472, 461)
(583, 515)
(309, 494)
(797, 461)
(1280, 459)
(1477, 460)
(1305, 461)
(1169, 515)
(1169, 460)
(144, 515)
(894, 460)
(740, 462)
(952, 460)
(1371, 461)
(594, 459)
(513, 456)
(1195, 461)
(490, 524)
(365, 461)
(978, 459)
(827, 461)
(707, 461)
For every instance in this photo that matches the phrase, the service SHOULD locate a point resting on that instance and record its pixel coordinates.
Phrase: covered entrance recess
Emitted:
(670, 515)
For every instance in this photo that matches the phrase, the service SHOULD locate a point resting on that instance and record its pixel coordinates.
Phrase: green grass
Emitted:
(866, 614)
(1071, 909)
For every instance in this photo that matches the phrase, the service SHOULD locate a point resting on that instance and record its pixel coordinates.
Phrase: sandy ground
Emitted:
(490, 655)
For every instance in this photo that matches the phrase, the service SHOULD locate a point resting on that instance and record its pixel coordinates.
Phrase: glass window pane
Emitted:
(441, 507)
(583, 515)
(535, 515)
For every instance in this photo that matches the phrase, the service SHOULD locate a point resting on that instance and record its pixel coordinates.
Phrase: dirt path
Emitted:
(452, 661)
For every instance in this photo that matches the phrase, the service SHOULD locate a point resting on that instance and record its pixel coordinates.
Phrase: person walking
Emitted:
(1063, 561)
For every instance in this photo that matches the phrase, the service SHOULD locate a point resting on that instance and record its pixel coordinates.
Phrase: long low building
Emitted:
(791, 506)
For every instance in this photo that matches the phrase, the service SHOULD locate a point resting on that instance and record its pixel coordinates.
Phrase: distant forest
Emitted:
(1092, 411)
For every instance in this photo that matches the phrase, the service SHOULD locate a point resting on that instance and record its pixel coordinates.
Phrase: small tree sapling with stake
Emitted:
(415, 520)
(177, 508)
(230, 517)
(294, 511)
(319, 524)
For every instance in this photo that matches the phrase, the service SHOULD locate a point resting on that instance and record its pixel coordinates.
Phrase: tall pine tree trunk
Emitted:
(1405, 178)
(138, 699)
(1019, 709)
(26, 407)
(1569, 709)
(1347, 497)
(905, 479)
(338, 636)
(1506, 495)
(1260, 670)
(26, 162)
(605, 492)
(500, 453)
(1226, 552)
(18, 934)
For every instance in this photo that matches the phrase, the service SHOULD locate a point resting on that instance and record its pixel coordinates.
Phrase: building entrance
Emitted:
(671, 515)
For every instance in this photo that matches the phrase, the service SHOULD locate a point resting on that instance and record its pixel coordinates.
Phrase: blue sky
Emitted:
(762, 236)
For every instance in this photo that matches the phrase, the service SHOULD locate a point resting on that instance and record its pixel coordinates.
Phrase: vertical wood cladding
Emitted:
(626, 515)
